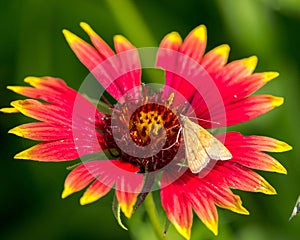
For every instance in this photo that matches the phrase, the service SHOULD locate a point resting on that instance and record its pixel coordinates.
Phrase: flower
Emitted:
(69, 127)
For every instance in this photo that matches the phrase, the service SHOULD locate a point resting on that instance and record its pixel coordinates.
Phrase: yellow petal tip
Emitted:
(23, 155)
(87, 28)
(278, 168)
(18, 104)
(17, 131)
(9, 110)
(83, 200)
(200, 32)
(84, 25)
(65, 32)
(277, 101)
(14, 88)
(266, 188)
(243, 211)
(240, 209)
(88, 198)
(120, 38)
(11, 87)
(70, 37)
(215, 231)
(268, 76)
(32, 80)
(250, 62)
(174, 37)
(212, 225)
(127, 209)
(184, 231)
(222, 50)
(282, 147)
(66, 192)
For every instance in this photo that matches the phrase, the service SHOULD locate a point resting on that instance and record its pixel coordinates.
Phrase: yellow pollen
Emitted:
(170, 100)
(151, 121)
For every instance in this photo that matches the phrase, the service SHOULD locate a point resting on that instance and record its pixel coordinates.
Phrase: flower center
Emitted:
(146, 136)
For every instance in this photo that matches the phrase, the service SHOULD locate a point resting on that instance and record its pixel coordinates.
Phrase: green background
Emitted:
(32, 44)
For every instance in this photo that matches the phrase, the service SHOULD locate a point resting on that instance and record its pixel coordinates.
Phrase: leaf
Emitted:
(117, 212)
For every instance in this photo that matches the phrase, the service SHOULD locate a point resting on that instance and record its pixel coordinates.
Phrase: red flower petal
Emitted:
(195, 43)
(129, 64)
(95, 191)
(128, 186)
(167, 55)
(246, 150)
(177, 206)
(171, 41)
(107, 173)
(79, 178)
(190, 190)
(84, 51)
(241, 111)
(116, 73)
(267, 144)
(41, 131)
(66, 120)
(239, 177)
(52, 90)
(55, 91)
(193, 47)
(257, 160)
(103, 49)
(60, 150)
(251, 107)
(206, 210)
(219, 193)
(243, 87)
(43, 112)
(91, 58)
(237, 69)
(215, 59)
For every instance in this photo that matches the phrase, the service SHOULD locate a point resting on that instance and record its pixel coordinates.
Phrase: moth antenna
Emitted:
(177, 140)
(204, 120)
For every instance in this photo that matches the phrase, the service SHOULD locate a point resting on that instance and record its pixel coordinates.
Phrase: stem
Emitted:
(153, 216)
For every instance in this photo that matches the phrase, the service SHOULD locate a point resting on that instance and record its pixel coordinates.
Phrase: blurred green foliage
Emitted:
(32, 44)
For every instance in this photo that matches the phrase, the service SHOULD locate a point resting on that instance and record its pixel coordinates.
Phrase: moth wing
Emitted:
(213, 147)
(196, 155)
(201, 146)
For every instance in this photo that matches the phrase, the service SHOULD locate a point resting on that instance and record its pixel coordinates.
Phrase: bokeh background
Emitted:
(32, 44)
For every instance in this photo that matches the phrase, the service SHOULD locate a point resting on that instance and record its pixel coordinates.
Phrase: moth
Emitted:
(201, 146)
